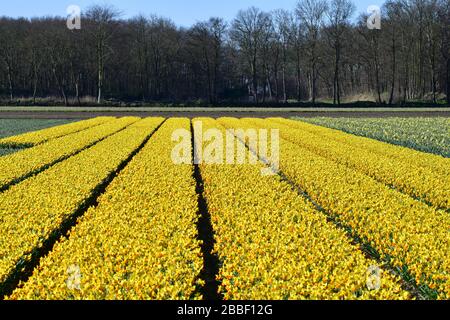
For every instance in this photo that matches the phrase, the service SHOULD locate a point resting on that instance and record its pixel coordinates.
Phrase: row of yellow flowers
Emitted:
(417, 181)
(436, 163)
(44, 135)
(22, 163)
(33, 209)
(273, 244)
(408, 233)
(138, 243)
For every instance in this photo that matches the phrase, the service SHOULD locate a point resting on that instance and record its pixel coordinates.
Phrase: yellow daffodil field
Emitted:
(131, 209)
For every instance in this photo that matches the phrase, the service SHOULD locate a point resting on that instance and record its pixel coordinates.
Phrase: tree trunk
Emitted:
(77, 91)
(60, 86)
(299, 94)
(313, 74)
(208, 77)
(377, 70)
(336, 87)
(10, 82)
(99, 97)
(448, 81)
(100, 72)
(313, 84)
(269, 87)
(66, 102)
(254, 81)
(100, 85)
(394, 67)
(433, 82)
(276, 80)
(34, 89)
(284, 85)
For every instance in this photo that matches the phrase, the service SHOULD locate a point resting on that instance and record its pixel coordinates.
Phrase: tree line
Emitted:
(319, 51)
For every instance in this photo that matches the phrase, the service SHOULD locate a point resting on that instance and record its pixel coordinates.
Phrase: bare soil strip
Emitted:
(210, 290)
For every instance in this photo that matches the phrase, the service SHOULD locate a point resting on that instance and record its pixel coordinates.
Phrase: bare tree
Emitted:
(311, 14)
(57, 51)
(393, 13)
(339, 14)
(369, 52)
(139, 29)
(298, 44)
(101, 23)
(444, 23)
(432, 37)
(206, 41)
(9, 49)
(269, 57)
(36, 53)
(249, 32)
(218, 29)
(285, 32)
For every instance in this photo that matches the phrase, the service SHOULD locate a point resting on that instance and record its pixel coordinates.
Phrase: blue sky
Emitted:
(182, 12)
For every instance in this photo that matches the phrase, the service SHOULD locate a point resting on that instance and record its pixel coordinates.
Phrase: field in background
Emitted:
(423, 134)
(105, 213)
(216, 112)
(221, 109)
(11, 127)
